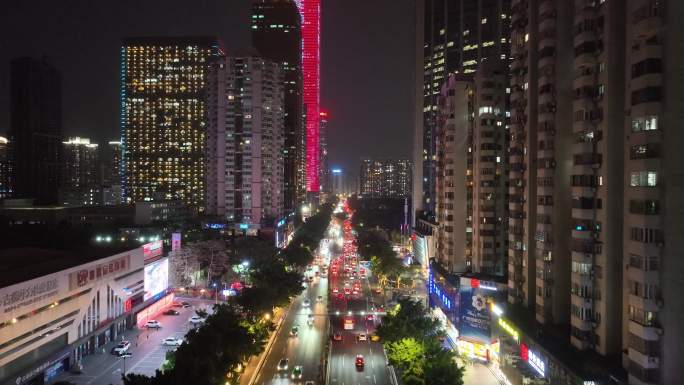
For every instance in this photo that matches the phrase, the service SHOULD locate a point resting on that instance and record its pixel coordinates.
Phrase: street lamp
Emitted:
(124, 356)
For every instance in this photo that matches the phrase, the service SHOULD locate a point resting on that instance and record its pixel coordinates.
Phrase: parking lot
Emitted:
(147, 351)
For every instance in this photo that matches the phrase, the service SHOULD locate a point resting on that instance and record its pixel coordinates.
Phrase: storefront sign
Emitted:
(85, 277)
(152, 249)
(509, 329)
(536, 362)
(39, 369)
(27, 295)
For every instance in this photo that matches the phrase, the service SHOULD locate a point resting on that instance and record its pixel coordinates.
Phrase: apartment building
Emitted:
(454, 174)
(653, 206)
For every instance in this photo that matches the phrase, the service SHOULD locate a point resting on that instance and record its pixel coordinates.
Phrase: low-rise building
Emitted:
(58, 306)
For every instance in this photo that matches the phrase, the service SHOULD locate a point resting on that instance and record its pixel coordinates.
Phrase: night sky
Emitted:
(366, 71)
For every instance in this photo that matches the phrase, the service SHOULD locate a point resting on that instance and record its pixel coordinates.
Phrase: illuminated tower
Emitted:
(311, 50)
(165, 105)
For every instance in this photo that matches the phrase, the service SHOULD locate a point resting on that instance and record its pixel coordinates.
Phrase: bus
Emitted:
(348, 323)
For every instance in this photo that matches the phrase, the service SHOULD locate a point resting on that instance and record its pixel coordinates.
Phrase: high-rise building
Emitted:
(35, 135)
(276, 34)
(310, 11)
(653, 192)
(5, 187)
(80, 173)
(110, 173)
(254, 140)
(454, 174)
(471, 174)
(458, 35)
(165, 104)
(594, 92)
(337, 181)
(385, 178)
(490, 169)
(324, 171)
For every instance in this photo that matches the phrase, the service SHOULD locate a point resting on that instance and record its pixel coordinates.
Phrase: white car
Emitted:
(170, 341)
(153, 324)
(362, 337)
(306, 303)
(284, 364)
(196, 320)
(121, 348)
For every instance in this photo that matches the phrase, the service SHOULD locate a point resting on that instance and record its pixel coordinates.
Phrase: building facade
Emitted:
(35, 134)
(454, 175)
(653, 203)
(80, 173)
(277, 35)
(51, 320)
(385, 178)
(164, 117)
(5, 187)
(310, 11)
(324, 177)
(458, 35)
(254, 140)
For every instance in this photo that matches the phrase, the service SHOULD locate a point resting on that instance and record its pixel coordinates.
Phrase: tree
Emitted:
(404, 352)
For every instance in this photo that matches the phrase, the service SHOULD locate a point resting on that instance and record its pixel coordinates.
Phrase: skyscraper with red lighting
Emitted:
(311, 39)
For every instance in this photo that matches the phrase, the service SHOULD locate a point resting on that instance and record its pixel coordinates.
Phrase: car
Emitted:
(185, 304)
(319, 298)
(360, 362)
(170, 341)
(177, 304)
(317, 273)
(375, 338)
(171, 312)
(370, 317)
(294, 332)
(196, 320)
(309, 383)
(337, 336)
(311, 278)
(324, 275)
(310, 320)
(335, 290)
(362, 337)
(283, 364)
(121, 348)
(347, 291)
(296, 373)
(153, 324)
(306, 303)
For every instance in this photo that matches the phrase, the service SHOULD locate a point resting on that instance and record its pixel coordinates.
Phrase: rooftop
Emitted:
(26, 263)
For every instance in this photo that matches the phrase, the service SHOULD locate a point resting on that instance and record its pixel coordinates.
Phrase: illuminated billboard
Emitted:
(156, 278)
(152, 249)
(475, 316)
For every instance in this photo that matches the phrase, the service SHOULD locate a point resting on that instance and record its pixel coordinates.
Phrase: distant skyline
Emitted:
(366, 70)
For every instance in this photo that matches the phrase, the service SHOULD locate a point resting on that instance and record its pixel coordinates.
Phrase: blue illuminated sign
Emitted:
(244, 226)
(336, 171)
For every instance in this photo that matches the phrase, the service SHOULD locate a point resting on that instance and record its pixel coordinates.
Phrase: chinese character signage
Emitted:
(86, 276)
(29, 294)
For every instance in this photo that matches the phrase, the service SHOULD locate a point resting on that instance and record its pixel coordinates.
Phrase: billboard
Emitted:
(175, 241)
(475, 315)
(156, 278)
(152, 249)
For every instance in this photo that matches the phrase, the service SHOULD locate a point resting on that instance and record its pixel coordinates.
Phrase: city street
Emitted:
(148, 353)
(305, 349)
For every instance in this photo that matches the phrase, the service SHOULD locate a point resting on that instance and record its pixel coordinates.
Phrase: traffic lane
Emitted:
(306, 348)
(343, 359)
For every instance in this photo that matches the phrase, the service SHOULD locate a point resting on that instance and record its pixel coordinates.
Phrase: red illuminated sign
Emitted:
(474, 283)
(524, 352)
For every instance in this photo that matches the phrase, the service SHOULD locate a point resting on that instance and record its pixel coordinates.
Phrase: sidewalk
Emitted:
(253, 364)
